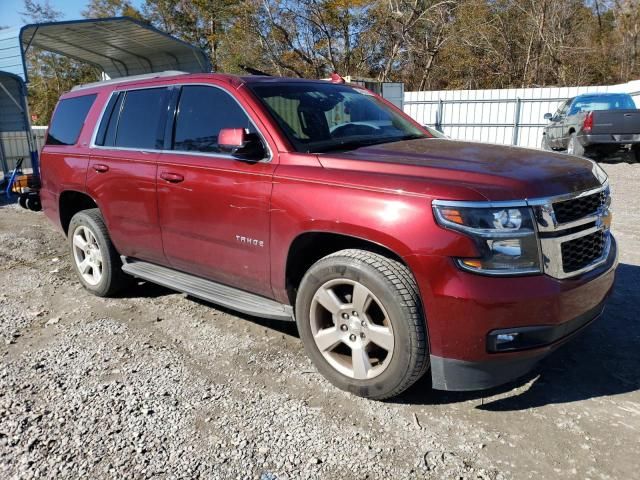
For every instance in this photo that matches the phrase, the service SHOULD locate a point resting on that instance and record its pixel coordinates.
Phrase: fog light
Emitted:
(506, 338)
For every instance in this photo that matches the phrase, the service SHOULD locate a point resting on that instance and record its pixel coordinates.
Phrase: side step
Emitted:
(213, 292)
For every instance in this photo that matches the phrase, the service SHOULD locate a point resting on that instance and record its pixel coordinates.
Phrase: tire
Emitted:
(380, 350)
(574, 147)
(99, 253)
(544, 144)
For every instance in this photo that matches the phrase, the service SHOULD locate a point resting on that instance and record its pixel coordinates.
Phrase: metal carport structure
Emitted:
(118, 46)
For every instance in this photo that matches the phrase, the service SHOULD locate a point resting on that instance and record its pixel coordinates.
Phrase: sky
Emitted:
(10, 10)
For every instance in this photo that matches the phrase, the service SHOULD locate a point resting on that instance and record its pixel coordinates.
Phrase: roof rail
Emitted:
(132, 78)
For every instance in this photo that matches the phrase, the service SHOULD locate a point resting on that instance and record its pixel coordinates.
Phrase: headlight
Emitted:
(505, 236)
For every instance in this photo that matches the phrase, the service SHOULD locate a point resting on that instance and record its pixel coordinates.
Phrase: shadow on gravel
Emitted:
(141, 289)
(604, 360)
(282, 326)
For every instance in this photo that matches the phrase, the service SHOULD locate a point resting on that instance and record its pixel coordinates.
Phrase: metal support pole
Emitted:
(439, 113)
(516, 122)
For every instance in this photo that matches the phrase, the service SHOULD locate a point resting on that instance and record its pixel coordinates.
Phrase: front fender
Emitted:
(402, 223)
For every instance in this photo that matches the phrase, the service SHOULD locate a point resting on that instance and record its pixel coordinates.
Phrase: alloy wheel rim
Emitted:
(352, 329)
(87, 255)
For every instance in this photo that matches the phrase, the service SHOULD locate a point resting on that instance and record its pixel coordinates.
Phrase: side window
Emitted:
(202, 112)
(106, 134)
(562, 111)
(141, 117)
(68, 120)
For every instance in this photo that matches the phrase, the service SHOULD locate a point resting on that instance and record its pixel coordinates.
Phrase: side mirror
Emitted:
(240, 144)
(548, 116)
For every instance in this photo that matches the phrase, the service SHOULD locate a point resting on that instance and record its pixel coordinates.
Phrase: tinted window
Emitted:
(107, 131)
(202, 112)
(69, 119)
(140, 118)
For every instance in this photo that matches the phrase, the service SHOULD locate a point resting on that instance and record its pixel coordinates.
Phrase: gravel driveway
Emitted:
(154, 384)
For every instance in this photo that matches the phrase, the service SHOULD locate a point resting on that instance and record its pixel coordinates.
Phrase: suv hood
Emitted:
(496, 172)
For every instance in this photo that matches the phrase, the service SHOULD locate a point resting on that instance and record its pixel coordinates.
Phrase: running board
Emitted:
(203, 289)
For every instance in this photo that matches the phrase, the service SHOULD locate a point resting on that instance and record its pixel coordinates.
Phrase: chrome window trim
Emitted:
(546, 222)
(225, 156)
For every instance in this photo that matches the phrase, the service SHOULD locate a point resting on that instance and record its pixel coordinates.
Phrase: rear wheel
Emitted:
(95, 259)
(360, 319)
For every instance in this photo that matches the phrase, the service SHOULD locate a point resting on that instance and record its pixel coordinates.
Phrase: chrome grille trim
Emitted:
(551, 246)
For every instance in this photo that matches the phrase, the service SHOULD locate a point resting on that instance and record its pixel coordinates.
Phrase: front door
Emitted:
(554, 130)
(214, 208)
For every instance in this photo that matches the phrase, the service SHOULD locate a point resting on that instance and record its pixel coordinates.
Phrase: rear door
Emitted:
(214, 208)
(122, 170)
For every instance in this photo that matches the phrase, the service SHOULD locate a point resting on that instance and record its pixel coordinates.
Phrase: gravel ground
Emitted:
(154, 384)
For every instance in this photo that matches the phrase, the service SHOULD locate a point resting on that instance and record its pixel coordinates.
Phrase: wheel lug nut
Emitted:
(343, 327)
(345, 315)
(361, 334)
(352, 337)
(354, 313)
(363, 324)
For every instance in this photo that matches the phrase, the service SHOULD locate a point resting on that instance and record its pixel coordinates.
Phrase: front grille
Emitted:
(578, 253)
(577, 208)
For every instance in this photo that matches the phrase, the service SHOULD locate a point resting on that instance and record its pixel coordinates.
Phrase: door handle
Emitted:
(171, 177)
(100, 168)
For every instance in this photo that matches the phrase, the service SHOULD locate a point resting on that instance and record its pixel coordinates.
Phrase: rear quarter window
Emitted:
(68, 120)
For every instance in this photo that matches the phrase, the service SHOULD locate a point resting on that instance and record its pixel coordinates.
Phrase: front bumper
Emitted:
(460, 375)
(463, 310)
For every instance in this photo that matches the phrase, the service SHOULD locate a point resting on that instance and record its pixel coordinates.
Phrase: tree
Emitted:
(111, 8)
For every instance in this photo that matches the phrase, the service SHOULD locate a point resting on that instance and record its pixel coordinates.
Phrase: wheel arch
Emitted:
(310, 246)
(72, 202)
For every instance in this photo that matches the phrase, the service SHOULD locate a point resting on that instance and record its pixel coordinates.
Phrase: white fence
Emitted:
(14, 146)
(511, 116)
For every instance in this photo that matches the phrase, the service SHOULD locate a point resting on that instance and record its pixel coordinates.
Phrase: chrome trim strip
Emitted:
(225, 156)
(519, 203)
(552, 255)
(480, 204)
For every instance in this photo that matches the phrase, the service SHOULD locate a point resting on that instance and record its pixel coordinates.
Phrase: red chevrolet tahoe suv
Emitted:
(396, 253)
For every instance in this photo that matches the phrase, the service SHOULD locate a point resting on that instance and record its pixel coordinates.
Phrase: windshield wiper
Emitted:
(353, 144)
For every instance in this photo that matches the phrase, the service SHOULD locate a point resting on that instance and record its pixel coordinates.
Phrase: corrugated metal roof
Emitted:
(119, 46)
(12, 105)
(10, 54)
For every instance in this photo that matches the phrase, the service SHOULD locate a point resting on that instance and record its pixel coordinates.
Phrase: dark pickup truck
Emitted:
(594, 125)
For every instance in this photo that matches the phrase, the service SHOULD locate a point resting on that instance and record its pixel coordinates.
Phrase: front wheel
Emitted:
(544, 143)
(575, 147)
(360, 319)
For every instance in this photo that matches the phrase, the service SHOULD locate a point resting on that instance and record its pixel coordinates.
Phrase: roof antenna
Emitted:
(254, 71)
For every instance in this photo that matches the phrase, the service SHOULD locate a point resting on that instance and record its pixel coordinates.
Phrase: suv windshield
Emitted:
(319, 117)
